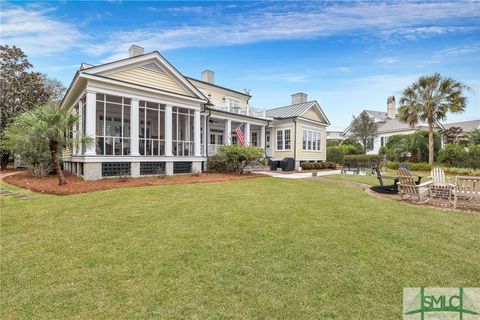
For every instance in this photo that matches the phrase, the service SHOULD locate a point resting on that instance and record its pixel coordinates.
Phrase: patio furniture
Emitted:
(408, 187)
(350, 167)
(467, 187)
(441, 186)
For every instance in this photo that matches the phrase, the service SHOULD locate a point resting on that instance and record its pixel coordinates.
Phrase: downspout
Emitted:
(295, 142)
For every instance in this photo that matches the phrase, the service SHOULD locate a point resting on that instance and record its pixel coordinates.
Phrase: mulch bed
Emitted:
(75, 185)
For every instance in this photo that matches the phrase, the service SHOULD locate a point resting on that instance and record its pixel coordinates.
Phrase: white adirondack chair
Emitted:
(441, 185)
(468, 187)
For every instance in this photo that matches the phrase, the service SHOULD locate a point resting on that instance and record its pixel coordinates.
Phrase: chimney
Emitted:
(208, 76)
(299, 98)
(391, 108)
(135, 51)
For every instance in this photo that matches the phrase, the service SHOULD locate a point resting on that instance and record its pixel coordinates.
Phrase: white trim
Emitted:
(313, 122)
(143, 58)
(283, 139)
(133, 159)
(137, 86)
(140, 97)
(319, 109)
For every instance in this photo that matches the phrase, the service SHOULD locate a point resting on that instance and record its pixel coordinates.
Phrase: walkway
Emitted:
(9, 193)
(297, 175)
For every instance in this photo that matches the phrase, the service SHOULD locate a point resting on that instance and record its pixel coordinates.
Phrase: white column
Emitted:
(134, 128)
(205, 135)
(90, 125)
(262, 137)
(247, 134)
(168, 130)
(228, 132)
(77, 127)
(196, 132)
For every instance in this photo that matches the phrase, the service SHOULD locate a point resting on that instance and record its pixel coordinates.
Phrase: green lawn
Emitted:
(259, 248)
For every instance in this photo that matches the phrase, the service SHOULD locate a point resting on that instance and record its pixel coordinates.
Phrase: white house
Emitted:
(145, 116)
(388, 124)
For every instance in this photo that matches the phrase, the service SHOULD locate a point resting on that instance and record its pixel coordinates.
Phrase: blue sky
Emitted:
(349, 56)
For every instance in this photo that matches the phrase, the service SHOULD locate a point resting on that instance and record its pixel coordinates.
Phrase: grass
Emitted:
(261, 248)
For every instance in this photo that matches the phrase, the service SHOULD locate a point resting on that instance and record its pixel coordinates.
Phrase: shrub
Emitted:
(217, 164)
(40, 170)
(420, 166)
(336, 154)
(331, 165)
(453, 156)
(238, 157)
(375, 158)
(474, 156)
(394, 165)
(306, 165)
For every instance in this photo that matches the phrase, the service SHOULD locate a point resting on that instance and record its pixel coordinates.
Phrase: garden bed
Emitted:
(75, 185)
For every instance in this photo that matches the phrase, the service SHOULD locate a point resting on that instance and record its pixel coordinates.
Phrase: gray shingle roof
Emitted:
(467, 126)
(294, 110)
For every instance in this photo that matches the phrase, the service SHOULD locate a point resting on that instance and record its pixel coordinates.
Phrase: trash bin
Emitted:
(273, 165)
(288, 164)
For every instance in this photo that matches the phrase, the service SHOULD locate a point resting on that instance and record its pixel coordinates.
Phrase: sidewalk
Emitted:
(297, 175)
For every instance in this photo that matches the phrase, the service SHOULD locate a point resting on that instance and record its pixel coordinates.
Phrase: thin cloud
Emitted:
(388, 60)
(38, 32)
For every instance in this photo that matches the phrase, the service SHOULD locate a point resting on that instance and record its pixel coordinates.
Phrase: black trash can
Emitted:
(288, 164)
(273, 165)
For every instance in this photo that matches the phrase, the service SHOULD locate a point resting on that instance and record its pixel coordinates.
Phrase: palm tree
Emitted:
(363, 129)
(45, 127)
(429, 100)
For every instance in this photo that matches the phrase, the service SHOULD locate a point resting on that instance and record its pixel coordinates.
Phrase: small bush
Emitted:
(160, 173)
(123, 176)
(474, 156)
(393, 165)
(217, 164)
(453, 155)
(195, 173)
(40, 170)
(421, 166)
(331, 165)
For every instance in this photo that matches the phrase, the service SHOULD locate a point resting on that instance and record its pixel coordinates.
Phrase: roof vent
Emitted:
(299, 98)
(208, 76)
(135, 51)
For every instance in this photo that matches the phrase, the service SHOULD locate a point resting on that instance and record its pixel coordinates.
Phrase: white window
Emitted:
(311, 140)
(283, 139)
(233, 105)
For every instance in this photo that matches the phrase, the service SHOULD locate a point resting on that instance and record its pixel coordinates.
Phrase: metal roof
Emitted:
(294, 110)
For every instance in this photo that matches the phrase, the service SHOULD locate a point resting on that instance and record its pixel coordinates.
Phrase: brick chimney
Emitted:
(135, 51)
(391, 108)
(299, 98)
(208, 76)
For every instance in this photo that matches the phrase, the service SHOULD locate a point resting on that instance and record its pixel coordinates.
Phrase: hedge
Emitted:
(422, 166)
(318, 165)
(363, 158)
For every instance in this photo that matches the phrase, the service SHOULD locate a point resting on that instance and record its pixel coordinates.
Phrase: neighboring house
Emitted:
(466, 126)
(335, 136)
(389, 124)
(146, 117)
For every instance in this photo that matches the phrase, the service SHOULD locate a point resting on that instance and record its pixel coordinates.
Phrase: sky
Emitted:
(348, 56)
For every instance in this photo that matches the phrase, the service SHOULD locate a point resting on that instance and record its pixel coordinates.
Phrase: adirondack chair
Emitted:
(441, 186)
(408, 188)
(468, 187)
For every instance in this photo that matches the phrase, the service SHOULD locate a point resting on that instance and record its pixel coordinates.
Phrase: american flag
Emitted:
(240, 135)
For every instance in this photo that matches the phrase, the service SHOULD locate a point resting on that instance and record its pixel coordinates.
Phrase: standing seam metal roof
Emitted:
(294, 110)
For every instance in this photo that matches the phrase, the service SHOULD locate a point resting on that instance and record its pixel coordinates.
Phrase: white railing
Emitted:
(151, 147)
(254, 112)
(259, 113)
(182, 148)
(213, 149)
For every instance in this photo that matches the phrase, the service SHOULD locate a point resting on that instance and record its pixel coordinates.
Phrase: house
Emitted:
(146, 117)
(335, 136)
(389, 124)
(466, 126)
